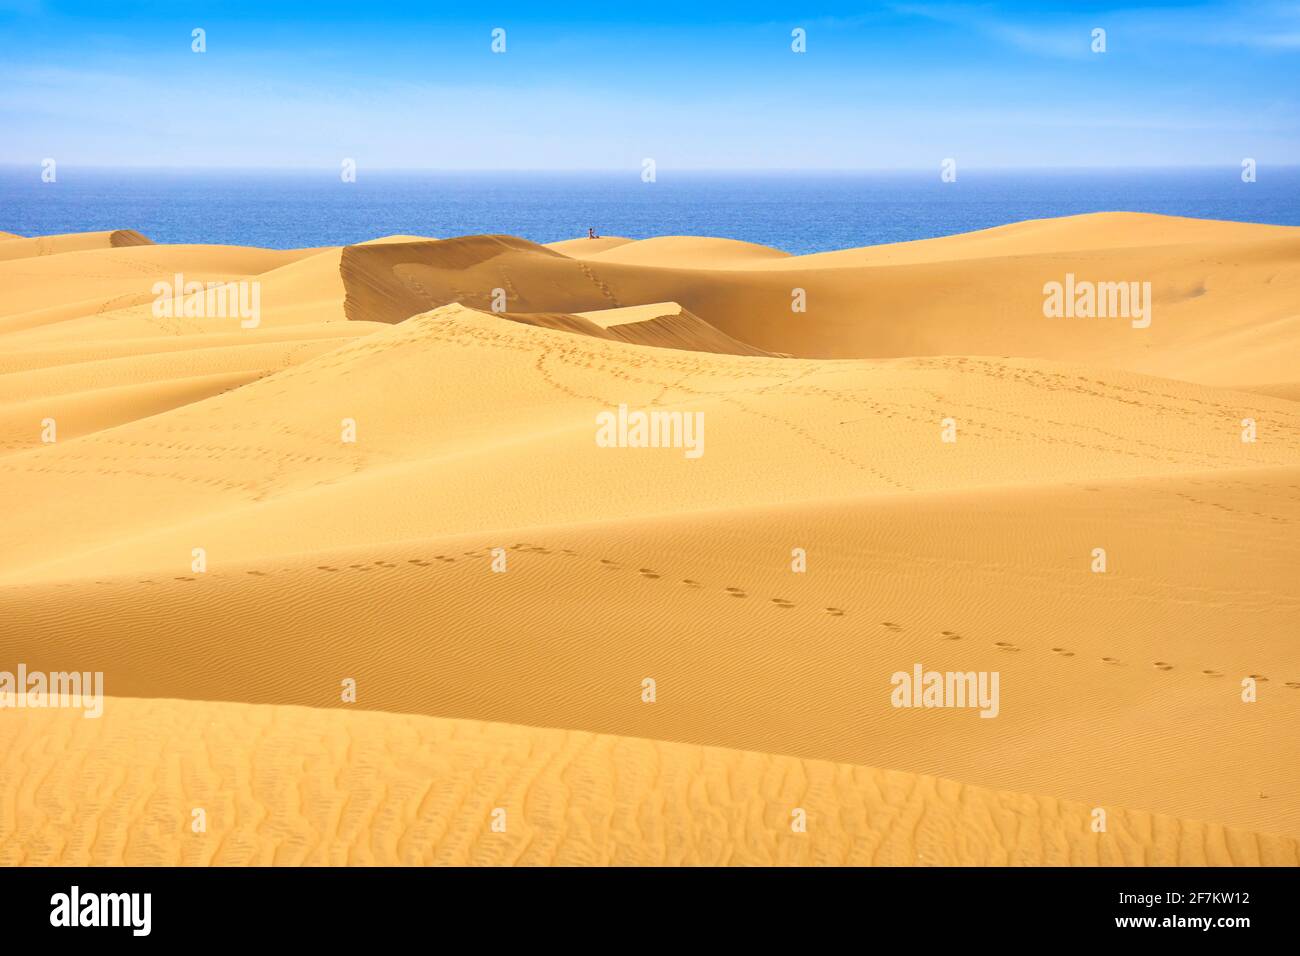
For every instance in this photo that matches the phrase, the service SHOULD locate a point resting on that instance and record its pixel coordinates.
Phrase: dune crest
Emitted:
(397, 476)
(19, 248)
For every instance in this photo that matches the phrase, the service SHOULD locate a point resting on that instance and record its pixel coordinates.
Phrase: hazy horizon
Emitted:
(635, 170)
(798, 211)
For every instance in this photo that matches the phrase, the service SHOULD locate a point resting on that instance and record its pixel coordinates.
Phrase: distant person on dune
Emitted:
(591, 233)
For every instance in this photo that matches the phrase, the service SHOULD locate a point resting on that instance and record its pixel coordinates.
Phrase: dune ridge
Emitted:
(18, 247)
(410, 412)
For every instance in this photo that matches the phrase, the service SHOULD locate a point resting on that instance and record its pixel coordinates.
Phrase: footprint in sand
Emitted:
(260, 574)
(1212, 673)
(419, 562)
(1005, 646)
(1162, 665)
(891, 625)
(781, 602)
(835, 611)
(736, 592)
(184, 579)
(1110, 660)
(1062, 651)
(611, 565)
(1258, 677)
(326, 567)
(950, 635)
(1294, 685)
(647, 573)
(692, 584)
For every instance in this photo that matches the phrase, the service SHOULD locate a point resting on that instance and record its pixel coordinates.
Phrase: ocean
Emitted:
(797, 212)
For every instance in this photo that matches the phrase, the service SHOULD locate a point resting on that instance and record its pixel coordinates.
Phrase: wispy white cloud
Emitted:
(1056, 39)
(1264, 26)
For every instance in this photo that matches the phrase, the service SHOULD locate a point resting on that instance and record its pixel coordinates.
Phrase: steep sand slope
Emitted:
(1223, 294)
(607, 318)
(664, 325)
(293, 786)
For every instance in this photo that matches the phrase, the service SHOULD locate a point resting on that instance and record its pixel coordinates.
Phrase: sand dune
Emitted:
(1094, 232)
(687, 252)
(1222, 311)
(1133, 666)
(295, 786)
(510, 399)
(578, 247)
(1287, 390)
(108, 292)
(664, 324)
(471, 372)
(21, 248)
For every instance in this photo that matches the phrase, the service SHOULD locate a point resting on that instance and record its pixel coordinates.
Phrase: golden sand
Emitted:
(327, 560)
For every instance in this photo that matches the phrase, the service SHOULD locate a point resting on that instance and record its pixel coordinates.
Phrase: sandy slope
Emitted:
(289, 785)
(664, 324)
(475, 430)
(510, 401)
(1223, 294)
(1137, 672)
(579, 248)
(688, 252)
(21, 248)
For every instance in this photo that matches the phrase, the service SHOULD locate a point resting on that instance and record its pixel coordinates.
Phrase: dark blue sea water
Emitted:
(797, 212)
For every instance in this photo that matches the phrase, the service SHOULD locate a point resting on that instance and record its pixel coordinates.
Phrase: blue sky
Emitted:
(692, 85)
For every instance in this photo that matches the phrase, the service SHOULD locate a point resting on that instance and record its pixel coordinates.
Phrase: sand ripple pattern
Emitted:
(299, 786)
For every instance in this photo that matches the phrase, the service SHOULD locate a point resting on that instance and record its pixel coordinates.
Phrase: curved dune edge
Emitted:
(1222, 292)
(828, 430)
(1288, 390)
(19, 247)
(298, 786)
(583, 246)
(329, 558)
(666, 326)
(684, 252)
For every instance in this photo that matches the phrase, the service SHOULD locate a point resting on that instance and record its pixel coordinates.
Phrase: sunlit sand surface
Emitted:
(329, 561)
